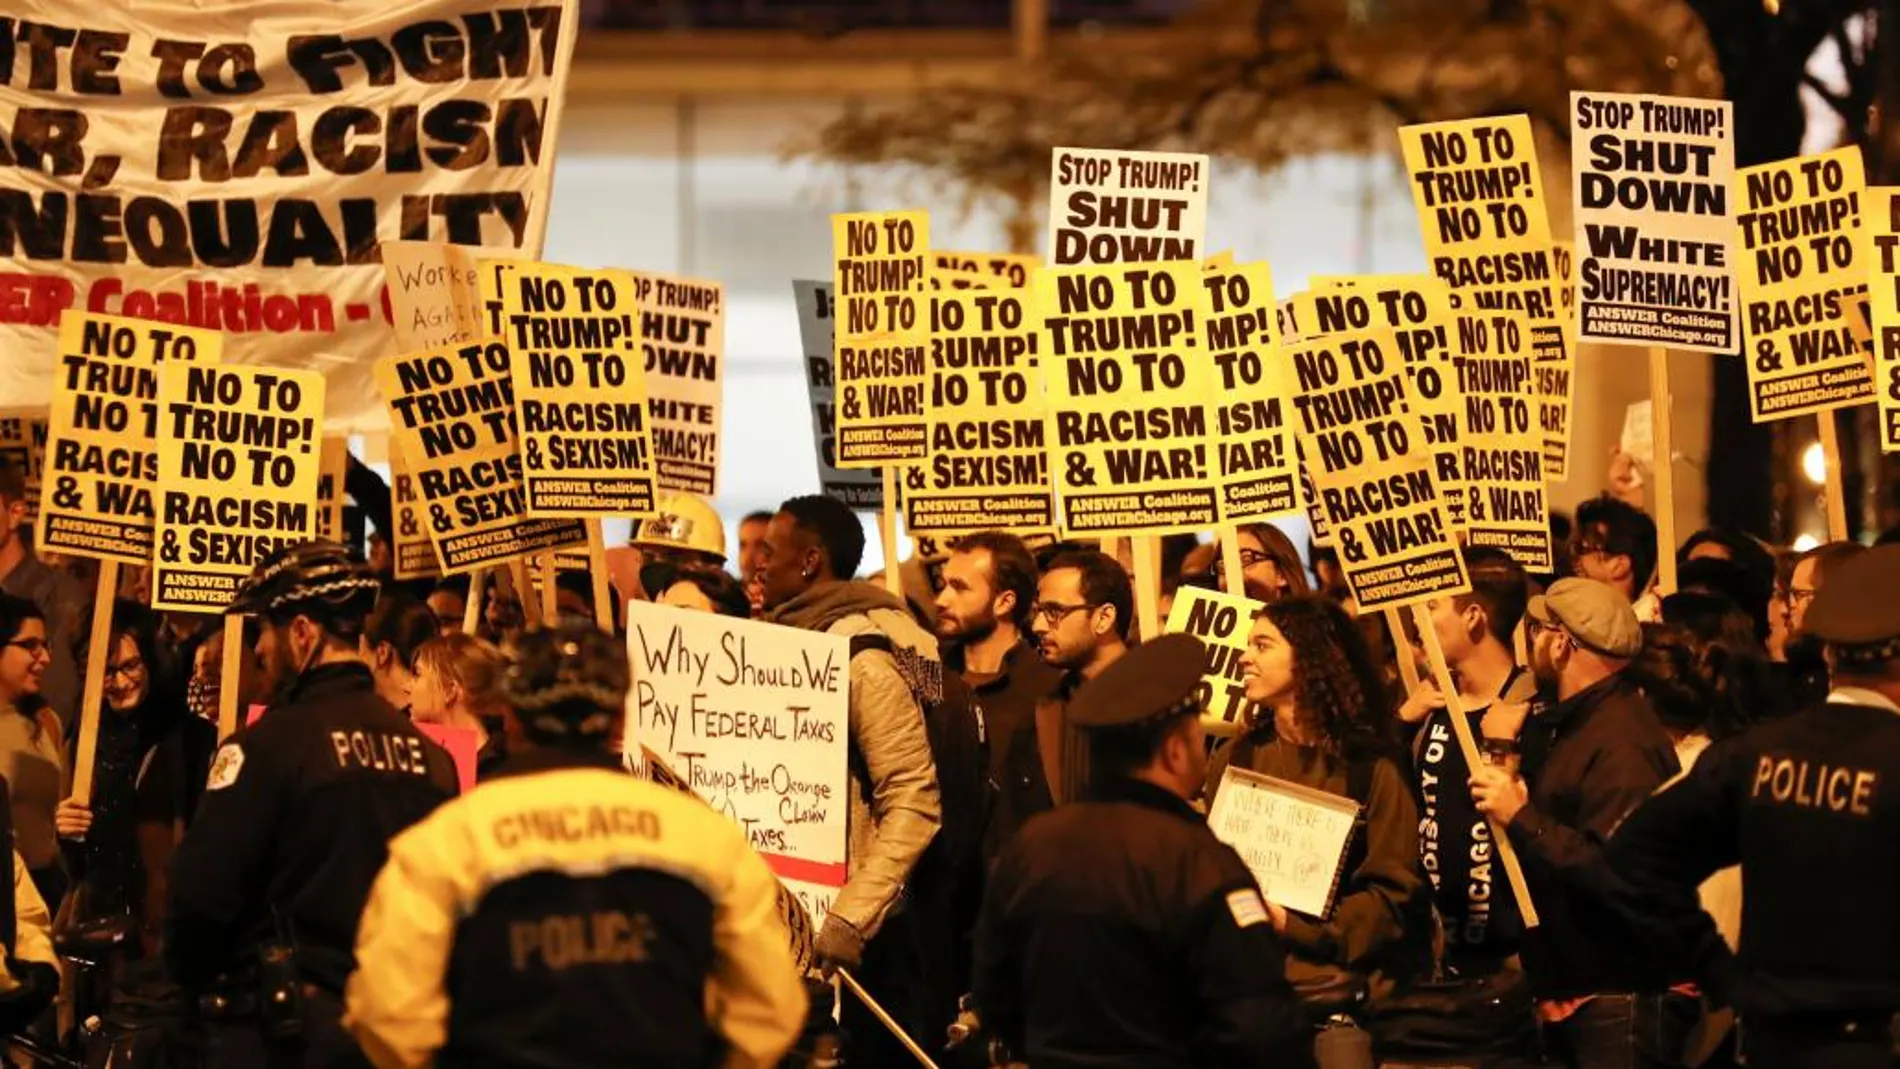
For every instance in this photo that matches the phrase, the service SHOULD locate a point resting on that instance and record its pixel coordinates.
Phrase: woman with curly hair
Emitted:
(1326, 724)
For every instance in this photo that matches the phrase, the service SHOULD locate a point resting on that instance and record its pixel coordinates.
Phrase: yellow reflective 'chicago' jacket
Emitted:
(566, 913)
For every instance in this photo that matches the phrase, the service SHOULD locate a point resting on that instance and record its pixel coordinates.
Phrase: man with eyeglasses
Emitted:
(1615, 543)
(1803, 665)
(59, 598)
(1083, 607)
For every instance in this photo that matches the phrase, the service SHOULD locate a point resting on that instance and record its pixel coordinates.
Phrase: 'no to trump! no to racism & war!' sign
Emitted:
(1882, 224)
(1127, 386)
(1499, 448)
(881, 330)
(859, 488)
(1259, 472)
(23, 433)
(410, 545)
(1222, 622)
(238, 453)
(452, 414)
(102, 433)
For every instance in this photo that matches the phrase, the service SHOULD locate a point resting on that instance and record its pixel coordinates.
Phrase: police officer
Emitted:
(1118, 930)
(295, 822)
(1809, 806)
(567, 913)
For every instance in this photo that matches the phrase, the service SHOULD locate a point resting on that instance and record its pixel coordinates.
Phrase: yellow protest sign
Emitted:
(1883, 259)
(1501, 451)
(238, 449)
(333, 469)
(23, 434)
(988, 465)
(1112, 207)
(1258, 469)
(410, 547)
(1220, 260)
(451, 416)
(882, 331)
(1286, 316)
(1372, 470)
(1127, 389)
(951, 278)
(1563, 263)
(1315, 515)
(1221, 621)
(683, 340)
(435, 296)
(1009, 269)
(860, 488)
(580, 394)
(1486, 224)
(1800, 227)
(101, 470)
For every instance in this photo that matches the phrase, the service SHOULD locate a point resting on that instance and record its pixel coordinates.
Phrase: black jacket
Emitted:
(296, 817)
(1119, 931)
(1009, 701)
(1589, 761)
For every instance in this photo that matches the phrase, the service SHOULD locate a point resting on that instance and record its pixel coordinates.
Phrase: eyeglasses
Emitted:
(1053, 613)
(1794, 596)
(33, 646)
(1248, 559)
(1583, 547)
(128, 669)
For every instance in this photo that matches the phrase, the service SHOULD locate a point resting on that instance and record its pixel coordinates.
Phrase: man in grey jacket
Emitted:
(811, 550)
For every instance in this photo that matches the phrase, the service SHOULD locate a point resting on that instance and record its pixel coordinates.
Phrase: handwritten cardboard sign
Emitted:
(1655, 220)
(580, 391)
(1293, 838)
(1127, 384)
(755, 718)
(882, 331)
(860, 488)
(238, 450)
(1800, 226)
(435, 296)
(452, 415)
(1258, 470)
(410, 546)
(683, 341)
(1108, 207)
(101, 470)
(988, 466)
(1221, 621)
(23, 434)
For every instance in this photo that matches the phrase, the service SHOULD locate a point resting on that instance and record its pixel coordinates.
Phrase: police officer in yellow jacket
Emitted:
(565, 913)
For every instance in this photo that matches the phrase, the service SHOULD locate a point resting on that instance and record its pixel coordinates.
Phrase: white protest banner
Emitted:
(580, 398)
(1258, 471)
(234, 169)
(1655, 223)
(1127, 390)
(1501, 455)
(1487, 231)
(101, 468)
(238, 450)
(880, 284)
(23, 433)
(988, 466)
(1292, 838)
(452, 416)
(860, 488)
(755, 718)
(435, 293)
(1006, 269)
(1372, 470)
(1800, 228)
(1882, 226)
(410, 546)
(1222, 622)
(683, 341)
(1108, 207)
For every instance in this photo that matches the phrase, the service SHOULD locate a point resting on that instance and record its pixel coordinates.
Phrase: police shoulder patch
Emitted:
(225, 767)
(1247, 908)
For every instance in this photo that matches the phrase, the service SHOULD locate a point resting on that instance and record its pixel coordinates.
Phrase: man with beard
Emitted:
(989, 589)
(1083, 609)
(1803, 670)
(295, 822)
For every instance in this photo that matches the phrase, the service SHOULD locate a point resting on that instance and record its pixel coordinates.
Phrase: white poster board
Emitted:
(755, 718)
(1113, 207)
(1293, 838)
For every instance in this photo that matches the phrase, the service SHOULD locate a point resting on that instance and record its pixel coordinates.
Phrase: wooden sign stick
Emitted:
(1461, 727)
(472, 608)
(597, 571)
(1147, 549)
(887, 535)
(1233, 573)
(98, 649)
(550, 590)
(1402, 651)
(1664, 471)
(517, 576)
(1836, 493)
(230, 670)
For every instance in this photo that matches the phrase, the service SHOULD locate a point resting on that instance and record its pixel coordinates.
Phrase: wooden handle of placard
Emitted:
(523, 591)
(1461, 727)
(472, 608)
(550, 590)
(1836, 494)
(1402, 651)
(230, 670)
(884, 1018)
(1148, 586)
(92, 698)
(1664, 470)
(887, 535)
(597, 571)
(1232, 572)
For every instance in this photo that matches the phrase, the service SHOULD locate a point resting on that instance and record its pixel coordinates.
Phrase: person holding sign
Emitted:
(567, 913)
(1331, 729)
(61, 602)
(1118, 930)
(295, 821)
(33, 758)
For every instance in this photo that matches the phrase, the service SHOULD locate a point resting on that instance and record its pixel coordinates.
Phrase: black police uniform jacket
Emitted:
(567, 915)
(1809, 806)
(1120, 931)
(296, 817)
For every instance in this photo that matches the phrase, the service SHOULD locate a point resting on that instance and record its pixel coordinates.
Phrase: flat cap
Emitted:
(1596, 614)
(1156, 680)
(1857, 611)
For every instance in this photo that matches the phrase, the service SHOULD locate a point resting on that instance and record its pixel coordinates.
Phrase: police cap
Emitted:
(1857, 612)
(1157, 680)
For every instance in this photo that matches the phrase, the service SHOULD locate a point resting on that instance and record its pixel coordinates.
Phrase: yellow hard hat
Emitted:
(683, 522)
